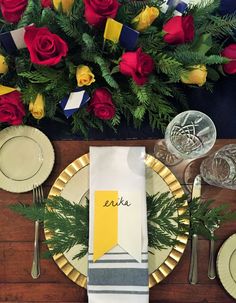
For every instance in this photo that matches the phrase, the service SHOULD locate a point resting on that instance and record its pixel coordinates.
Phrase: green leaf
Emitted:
(212, 74)
(203, 44)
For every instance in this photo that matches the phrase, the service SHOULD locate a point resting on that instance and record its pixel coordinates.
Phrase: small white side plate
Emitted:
(226, 265)
(26, 158)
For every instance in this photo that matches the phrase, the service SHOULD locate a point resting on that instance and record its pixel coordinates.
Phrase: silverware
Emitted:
(193, 272)
(211, 264)
(37, 199)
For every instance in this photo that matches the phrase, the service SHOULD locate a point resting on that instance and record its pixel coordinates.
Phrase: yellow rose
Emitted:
(3, 65)
(145, 18)
(197, 74)
(84, 75)
(37, 107)
(66, 5)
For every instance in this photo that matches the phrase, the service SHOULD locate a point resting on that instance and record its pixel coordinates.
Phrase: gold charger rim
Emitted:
(175, 188)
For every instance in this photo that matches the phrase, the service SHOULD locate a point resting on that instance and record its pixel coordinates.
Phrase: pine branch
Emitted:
(203, 10)
(170, 66)
(82, 122)
(69, 28)
(35, 77)
(190, 58)
(160, 112)
(106, 74)
(31, 212)
(163, 224)
(116, 120)
(32, 14)
(203, 216)
(68, 221)
(143, 93)
(219, 26)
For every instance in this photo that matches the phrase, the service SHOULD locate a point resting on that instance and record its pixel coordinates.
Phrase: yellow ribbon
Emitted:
(6, 90)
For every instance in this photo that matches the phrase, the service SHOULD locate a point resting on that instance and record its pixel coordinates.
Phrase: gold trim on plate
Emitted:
(175, 188)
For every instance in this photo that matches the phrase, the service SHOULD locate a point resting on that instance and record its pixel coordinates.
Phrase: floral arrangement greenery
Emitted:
(65, 50)
(68, 221)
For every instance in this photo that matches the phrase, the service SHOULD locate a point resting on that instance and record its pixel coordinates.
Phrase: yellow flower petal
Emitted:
(196, 75)
(37, 107)
(145, 18)
(66, 5)
(3, 65)
(84, 76)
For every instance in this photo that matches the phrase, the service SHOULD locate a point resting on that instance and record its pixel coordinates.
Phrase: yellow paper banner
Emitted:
(6, 90)
(112, 30)
(105, 222)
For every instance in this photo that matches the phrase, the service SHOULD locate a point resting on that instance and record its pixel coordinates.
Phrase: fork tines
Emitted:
(37, 194)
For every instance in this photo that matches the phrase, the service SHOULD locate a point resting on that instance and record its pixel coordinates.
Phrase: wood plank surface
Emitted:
(17, 234)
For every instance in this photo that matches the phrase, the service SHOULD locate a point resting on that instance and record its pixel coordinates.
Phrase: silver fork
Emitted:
(37, 200)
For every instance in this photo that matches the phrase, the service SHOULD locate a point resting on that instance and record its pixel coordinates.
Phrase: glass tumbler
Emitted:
(219, 169)
(190, 135)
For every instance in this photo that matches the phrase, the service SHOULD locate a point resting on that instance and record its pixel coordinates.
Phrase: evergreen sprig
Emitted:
(68, 221)
(164, 224)
(204, 216)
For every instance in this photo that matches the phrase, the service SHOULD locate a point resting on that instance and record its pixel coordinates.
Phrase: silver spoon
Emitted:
(211, 264)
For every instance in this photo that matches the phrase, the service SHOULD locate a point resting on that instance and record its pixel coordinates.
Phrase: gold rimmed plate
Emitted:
(73, 184)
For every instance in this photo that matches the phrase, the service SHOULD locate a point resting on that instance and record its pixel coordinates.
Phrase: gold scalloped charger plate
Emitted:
(226, 265)
(26, 158)
(73, 185)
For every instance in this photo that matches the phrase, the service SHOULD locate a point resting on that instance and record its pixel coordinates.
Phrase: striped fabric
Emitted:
(117, 277)
(179, 6)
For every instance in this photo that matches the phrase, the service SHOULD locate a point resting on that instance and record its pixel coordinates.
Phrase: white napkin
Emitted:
(119, 276)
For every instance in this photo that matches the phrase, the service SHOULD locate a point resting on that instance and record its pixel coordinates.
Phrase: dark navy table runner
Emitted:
(219, 105)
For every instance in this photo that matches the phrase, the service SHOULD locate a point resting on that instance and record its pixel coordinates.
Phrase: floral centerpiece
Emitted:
(96, 61)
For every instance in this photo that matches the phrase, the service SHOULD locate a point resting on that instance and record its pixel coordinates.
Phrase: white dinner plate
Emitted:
(26, 158)
(226, 265)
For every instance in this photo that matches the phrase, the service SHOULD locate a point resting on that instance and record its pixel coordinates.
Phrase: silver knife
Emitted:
(193, 273)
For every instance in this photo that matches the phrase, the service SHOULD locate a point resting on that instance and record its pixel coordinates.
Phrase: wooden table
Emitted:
(16, 247)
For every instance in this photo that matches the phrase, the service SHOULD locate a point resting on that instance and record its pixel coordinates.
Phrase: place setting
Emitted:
(188, 217)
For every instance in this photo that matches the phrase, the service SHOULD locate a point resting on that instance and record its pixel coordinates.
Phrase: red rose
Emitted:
(12, 109)
(179, 29)
(45, 47)
(101, 104)
(230, 53)
(13, 10)
(46, 3)
(97, 11)
(138, 65)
